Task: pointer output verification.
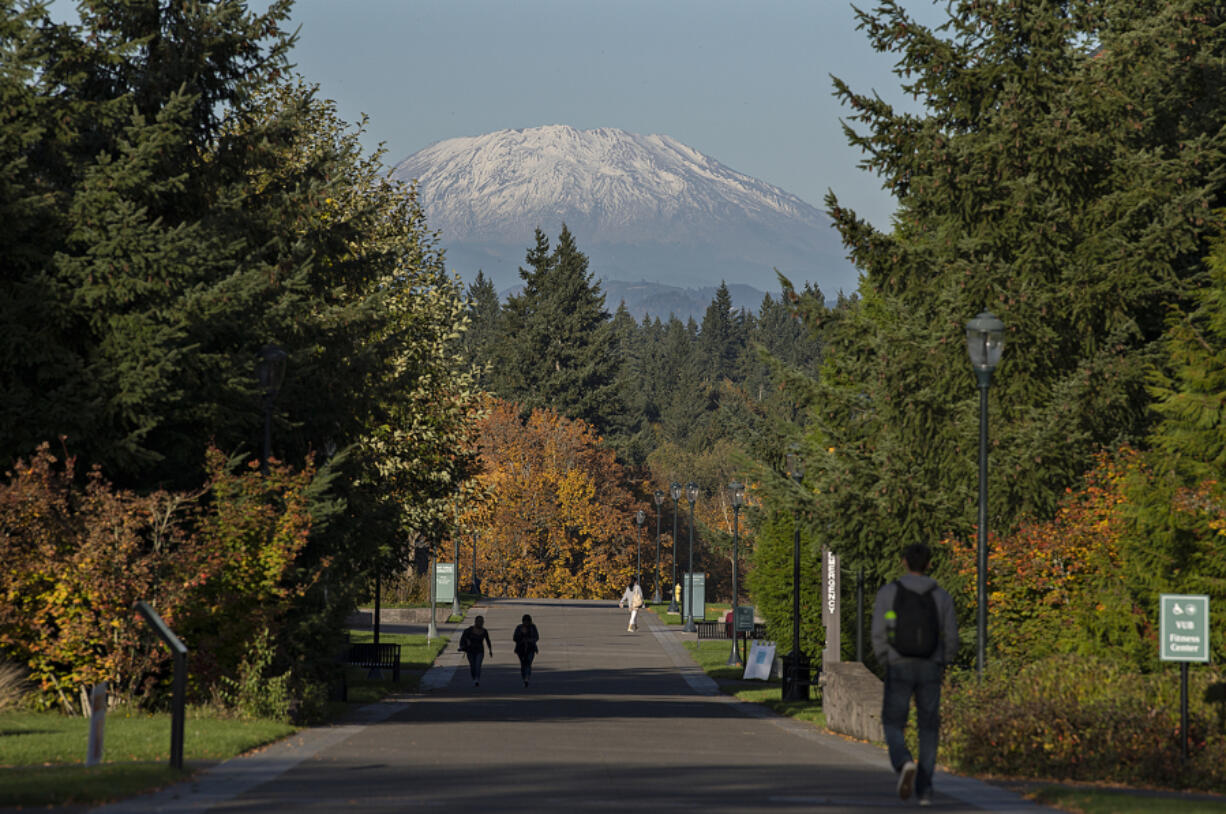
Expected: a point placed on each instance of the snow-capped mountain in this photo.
(641, 207)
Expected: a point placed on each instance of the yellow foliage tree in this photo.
(552, 516)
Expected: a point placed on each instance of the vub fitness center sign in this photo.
(1184, 628)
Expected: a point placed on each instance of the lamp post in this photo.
(691, 494)
(674, 490)
(270, 373)
(659, 496)
(737, 491)
(796, 665)
(985, 336)
(455, 584)
(640, 517)
(476, 590)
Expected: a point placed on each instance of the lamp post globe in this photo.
(985, 342)
(691, 494)
(659, 498)
(736, 490)
(674, 490)
(640, 517)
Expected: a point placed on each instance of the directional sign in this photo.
(1183, 627)
(444, 582)
(696, 604)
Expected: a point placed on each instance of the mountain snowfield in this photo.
(641, 207)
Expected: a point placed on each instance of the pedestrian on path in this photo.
(471, 641)
(526, 637)
(633, 597)
(914, 634)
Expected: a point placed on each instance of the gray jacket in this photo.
(947, 651)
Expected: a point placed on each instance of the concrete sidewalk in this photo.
(612, 720)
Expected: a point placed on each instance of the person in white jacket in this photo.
(632, 598)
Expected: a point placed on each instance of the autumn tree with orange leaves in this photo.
(551, 512)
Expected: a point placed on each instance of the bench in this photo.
(719, 630)
(380, 656)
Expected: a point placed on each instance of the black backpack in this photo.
(917, 628)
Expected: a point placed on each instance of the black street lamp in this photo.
(985, 340)
(737, 490)
(640, 517)
(659, 496)
(455, 579)
(476, 590)
(270, 373)
(691, 494)
(796, 664)
(674, 490)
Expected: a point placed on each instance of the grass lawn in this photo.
(416, 656)
(712, 657)
(660, 609)
(42, 754)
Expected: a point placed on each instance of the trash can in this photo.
(796, 677)
(728, 624)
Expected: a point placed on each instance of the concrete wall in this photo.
(851, 699)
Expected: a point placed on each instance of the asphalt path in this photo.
(612, 721)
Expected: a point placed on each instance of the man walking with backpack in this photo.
(915, 634)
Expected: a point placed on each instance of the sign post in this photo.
(831, 607)
(1183, 636)
(742, 622)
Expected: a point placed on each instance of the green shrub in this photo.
(13, 686)
(1078, 718)
(254, 694)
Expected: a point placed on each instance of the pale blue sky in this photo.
(746, 82)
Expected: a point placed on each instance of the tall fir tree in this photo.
(1060, 176)
(556, 345)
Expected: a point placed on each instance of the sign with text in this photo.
(761, 659)
(831, 607)
(444, 582)
(695, 597)
(743, 621)
(1183, 627)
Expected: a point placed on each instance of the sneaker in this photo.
(925, 799)
(906, 777)
(525, 682)
(476, 683)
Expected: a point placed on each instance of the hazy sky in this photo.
(744, 81)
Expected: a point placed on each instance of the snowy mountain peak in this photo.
(640, 206)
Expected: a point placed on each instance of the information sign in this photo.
(761, 659)
(698, 583)
(444, 582)
(1183, 627)
(743, 623)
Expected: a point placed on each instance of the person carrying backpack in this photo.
(914, 635)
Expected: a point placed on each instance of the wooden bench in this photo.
(380, 656)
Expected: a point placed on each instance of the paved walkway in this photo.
(612, 721)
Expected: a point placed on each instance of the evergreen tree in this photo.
(556, 345)
(1061, 176)
(484, 312)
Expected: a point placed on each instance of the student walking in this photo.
(471, 641)
(526, 637)
(914, 634)
(633, 597)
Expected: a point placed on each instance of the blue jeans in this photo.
(903, 679)
(525, 665)
(475, 657)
